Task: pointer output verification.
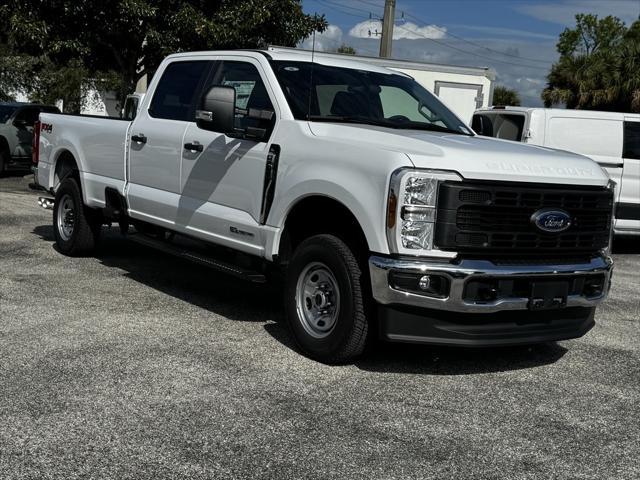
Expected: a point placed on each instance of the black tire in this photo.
(347, 338)
(85, 231)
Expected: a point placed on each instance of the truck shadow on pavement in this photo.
(215, 292)
(238, 300)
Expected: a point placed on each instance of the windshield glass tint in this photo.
(6, 112)
(392, 100)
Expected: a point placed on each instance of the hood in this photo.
(476, 158)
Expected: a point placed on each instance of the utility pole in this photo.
(387, 27)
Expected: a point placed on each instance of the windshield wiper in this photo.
(345, 119)
(432, 127)
(379, 123)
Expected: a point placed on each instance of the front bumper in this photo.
(504, 320)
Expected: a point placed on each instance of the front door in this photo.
(156, 138)
(222, 177)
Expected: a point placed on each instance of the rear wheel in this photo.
(76, 228)
(324, 300)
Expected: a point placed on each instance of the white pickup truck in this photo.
(386, 215)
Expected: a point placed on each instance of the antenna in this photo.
(313, 52)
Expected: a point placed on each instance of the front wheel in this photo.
(324, 300)
(76, 228)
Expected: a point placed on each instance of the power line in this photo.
(466, 51)
(330, 4)
(447, 32)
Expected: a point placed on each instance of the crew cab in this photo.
(16, 133)
(384, 214)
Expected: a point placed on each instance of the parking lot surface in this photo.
(134, 364)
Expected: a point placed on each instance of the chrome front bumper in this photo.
(459, 274)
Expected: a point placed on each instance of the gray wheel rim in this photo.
(317, 299)
(66, 217)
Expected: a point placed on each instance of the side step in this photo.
(198, 257)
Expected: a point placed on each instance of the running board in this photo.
(200, 258)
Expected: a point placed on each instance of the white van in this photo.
(612, 139)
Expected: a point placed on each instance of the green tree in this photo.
(599, 66)
(130, 37)
(346, 49)
(505, 96)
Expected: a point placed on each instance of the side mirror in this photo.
(20, 123)
(217, 110)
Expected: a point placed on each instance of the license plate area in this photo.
(548, 295)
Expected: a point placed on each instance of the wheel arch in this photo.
(315, 214)
(66, 164)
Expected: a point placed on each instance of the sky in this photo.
(517, 38)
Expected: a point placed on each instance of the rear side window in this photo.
(499, 125)
(175, 95)
(631, 147)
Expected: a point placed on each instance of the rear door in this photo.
(222, 177)
(156, 139)
(628, 211)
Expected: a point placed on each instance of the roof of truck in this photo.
(346, 61)
(373, 64)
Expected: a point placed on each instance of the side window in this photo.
(631, 143)
(251, 92)
(175, 95)
(482, 125)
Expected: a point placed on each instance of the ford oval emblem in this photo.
(551, 221)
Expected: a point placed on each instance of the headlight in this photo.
(411, 210)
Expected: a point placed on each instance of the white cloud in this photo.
(564, 12)
(408, 31)
(329, 40)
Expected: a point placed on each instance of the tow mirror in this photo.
(217, 110)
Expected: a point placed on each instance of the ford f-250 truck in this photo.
(386, 214)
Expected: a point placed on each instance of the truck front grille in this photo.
(480, 217)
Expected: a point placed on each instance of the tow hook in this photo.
(46, 203)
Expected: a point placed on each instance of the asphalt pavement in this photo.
(136, 365)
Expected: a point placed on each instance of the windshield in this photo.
(5, 112)
(359, 96)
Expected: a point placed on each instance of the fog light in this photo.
(425, 282)
(430, 285)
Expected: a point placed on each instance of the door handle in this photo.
(140, 138)
(194, 147)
